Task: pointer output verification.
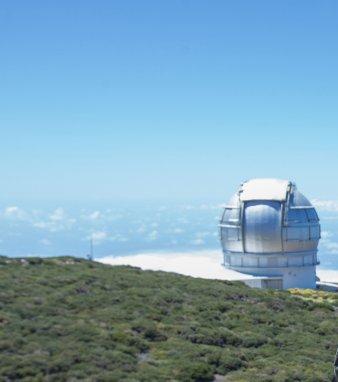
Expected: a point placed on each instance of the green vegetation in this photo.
(69, 319)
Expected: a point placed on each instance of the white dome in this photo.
(269, 218)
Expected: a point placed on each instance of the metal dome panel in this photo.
(269, 216)
(262, 226)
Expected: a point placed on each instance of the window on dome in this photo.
(314, 232)
(297, 215)
(297, 233)
(311, 215)
(231, 234)
(231, 216)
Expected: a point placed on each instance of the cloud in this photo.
(153, 235)
(329, 245)
(141, 229)
(203, 207)
(15, 212)
(58, 215)
(113, 216)
(95, 215)
(325, 235)
(197, 241)
(98, 236)
(40, 224)
(58, 220)
(325, 205)
(118, 238)
(200, 238)
(329, 276)
(211, 207)
(205, 264)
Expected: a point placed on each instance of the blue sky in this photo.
(114, 100)
(132, 121)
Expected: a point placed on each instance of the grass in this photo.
(65, 319)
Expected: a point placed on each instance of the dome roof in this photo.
(269, 216)
(264, 189)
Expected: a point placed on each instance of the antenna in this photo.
(90, 256)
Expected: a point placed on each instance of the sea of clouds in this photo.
(205, 264)
(145, 234)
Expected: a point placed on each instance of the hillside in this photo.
(69, 319)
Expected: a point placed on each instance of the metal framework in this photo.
(269, 224)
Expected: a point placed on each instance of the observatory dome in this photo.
(269, 227)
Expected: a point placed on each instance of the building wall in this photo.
(265, 283)
(301, 277)
(293, 277)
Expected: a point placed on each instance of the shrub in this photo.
(66, 319)
(196, 372)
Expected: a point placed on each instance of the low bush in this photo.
(67, 319)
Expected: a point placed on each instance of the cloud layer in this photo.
(204, 264)
(122, 229)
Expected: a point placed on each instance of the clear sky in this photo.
(166, 99)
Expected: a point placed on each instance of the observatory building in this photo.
(271, 231)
